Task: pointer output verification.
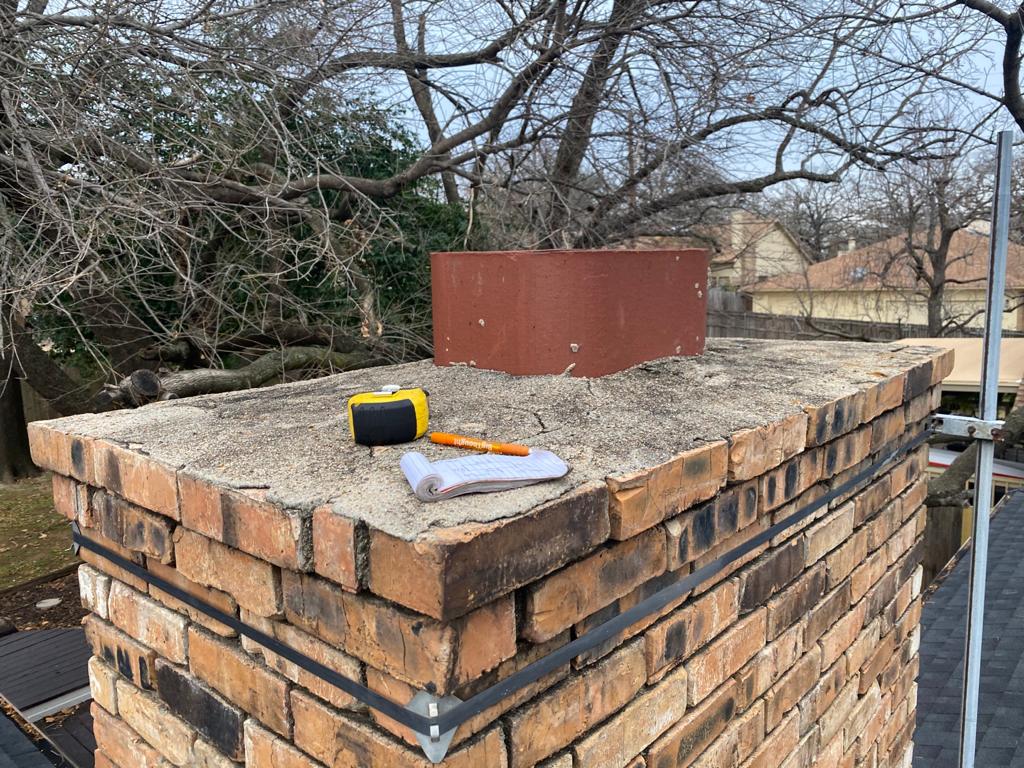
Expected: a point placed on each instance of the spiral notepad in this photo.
(433, 481)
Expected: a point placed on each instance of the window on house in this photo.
(858, 273)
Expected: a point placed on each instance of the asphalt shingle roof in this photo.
(940, 683)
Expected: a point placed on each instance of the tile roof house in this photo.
(878, 283)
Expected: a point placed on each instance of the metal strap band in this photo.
(529, 674)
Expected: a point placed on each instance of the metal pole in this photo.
(983, 472)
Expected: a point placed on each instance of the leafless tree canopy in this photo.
(183, 182)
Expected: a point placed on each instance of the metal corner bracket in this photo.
(435, 746)
(967, 426)
(76, 530)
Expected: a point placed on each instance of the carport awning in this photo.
(966, 375)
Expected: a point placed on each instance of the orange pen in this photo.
(476, 444)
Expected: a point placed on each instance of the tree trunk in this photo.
(935, 314)
(15, 461)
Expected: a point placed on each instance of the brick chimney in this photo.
(802, 652)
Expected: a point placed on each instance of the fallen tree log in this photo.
(145, 386)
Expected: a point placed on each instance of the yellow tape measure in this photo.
(390, 415)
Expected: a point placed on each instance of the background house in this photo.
(749, 248)
(879, 283)
(744, 249)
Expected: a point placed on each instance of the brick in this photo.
(834, 718)
(793, 603)
(866, 574)
(253, 583)
(195, 703)
(740, 739)
(59, 452)
(882, 594)
(872, 667)
(94, 589)
(130, 658)
(919, 408)
(643, 499)
(487, 636)
(309, 646)
(147, 621)
(724, 657)
(206, 756)
(70, 498)
(413, 648)
(554, 720)
(770, 573)
(789, 480)
(942, 366)
(694, 533)
(891, 730)
(883, 525)
(918, 380)
(829, 421)
(132, 527)
(120, 744)
(681, 744)
(846, 452)
(265, 750)
(804, 754)
(212, 597)
(841, 562)
(869, 734)
(244, 520)
(777, 745)
(100, 563)
(886, 429)
(144, 714)
(863, 646)
(869, 501)
(753, 452)
(136, 477)
(821, 697)
(884, 396)
(827, 613)
(914, 497)
(861, 714)
(770, 663)
(830, 533)
(796, 506)
(335, 547)
(440, 574)
(680, 634)
(250, 686)
(103, 684)
(590, 584)
(792, 687)
(641, 593)
(619, 739)
(841, 636)
(908, 470)
(736, 540)
(340, 741)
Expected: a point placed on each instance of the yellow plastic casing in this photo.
(383, 404)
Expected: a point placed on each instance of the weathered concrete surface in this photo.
(293, 439)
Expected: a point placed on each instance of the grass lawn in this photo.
(34, 539)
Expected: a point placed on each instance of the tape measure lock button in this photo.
(388, 416)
